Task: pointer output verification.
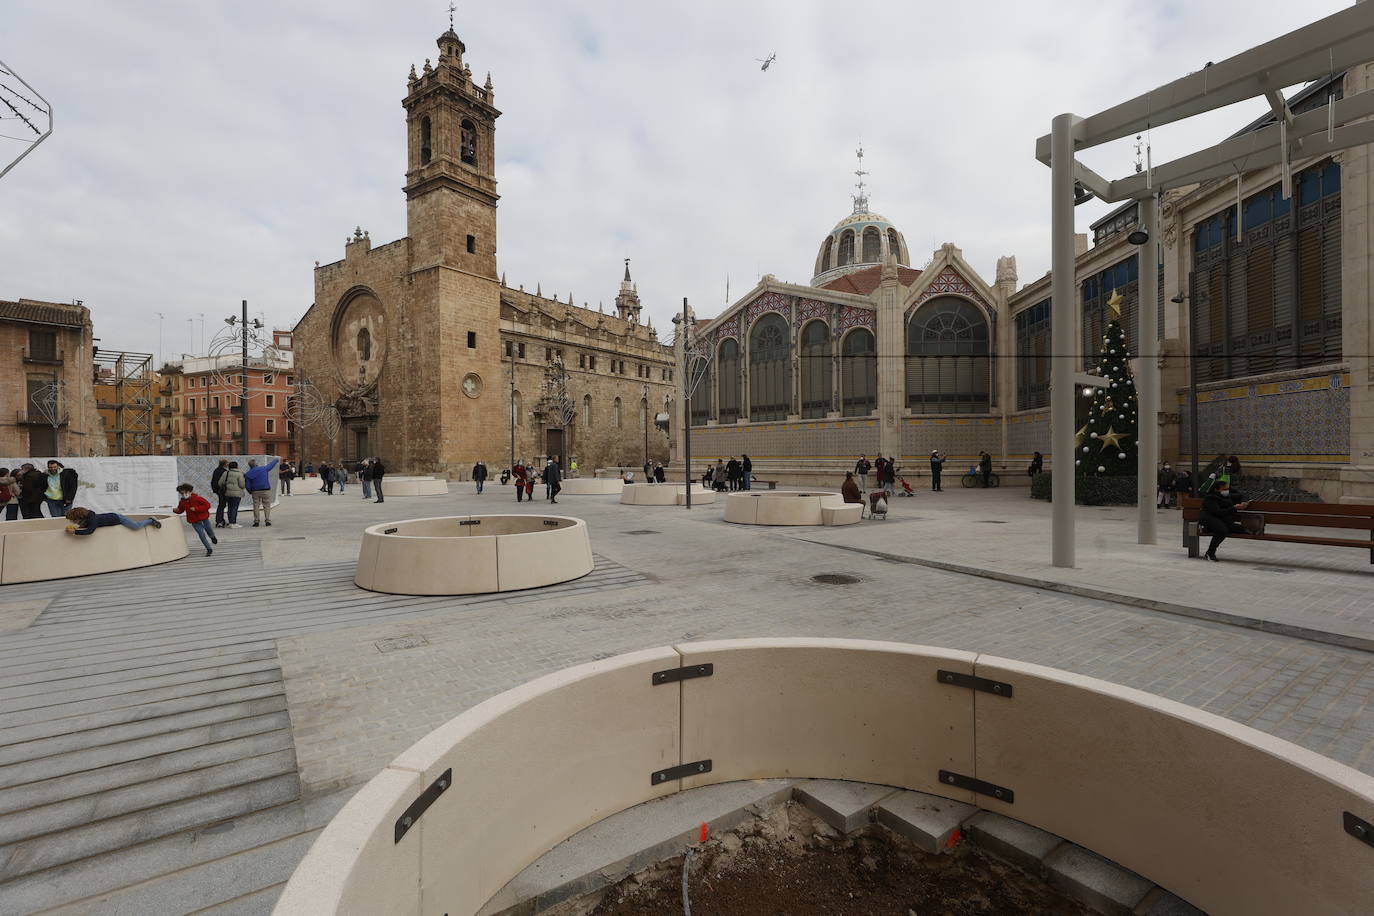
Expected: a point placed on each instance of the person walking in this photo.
(553, 479)
(887, 477)
(985, 468)
(197, 509)
(365, 477)
(217, 488)
(861, 469)
(479, 475)
(648, 471)
(326, 479)
(660, 476)
(530, 475)
(1218, 516)
(285, 474)
(1036, 466)
(937, 467)
(61, 489)
(746, 470)
(9, 495)
(260, 487)
(518, 473)
(87, 521)
(341, 476)
(378, 472)
(32, 483)
(1165, 482)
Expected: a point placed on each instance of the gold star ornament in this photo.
(1111, 437)
(1114, 303)
(1079, 436)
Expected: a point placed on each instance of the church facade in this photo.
(433, 361)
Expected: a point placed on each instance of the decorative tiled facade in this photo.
(959, 438)
(1301, 421)
(786, 442)
(851, 317)
(1027, 434)
(950, 282)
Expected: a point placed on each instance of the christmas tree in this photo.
(1106, 445)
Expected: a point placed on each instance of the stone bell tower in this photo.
(451, 164)
(451, 329)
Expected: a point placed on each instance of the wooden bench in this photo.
(1296, 515)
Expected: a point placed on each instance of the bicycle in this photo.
(973, 479)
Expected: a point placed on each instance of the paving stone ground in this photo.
(193, 725)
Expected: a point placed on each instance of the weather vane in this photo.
(451, 10)
(861, 198)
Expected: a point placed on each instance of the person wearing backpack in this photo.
(235, 489)
(9, 495)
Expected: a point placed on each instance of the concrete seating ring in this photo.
(472, 554)
(38, 549)
(664, 494)
(591, 486)
(414, 486)
(783, 507)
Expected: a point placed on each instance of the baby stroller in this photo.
(906, 487)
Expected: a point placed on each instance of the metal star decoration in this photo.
(1111, 437)
(1114, 303)
(1079, 436)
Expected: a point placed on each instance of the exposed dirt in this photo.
(788, 863)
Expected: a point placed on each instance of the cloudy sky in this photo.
(208, 152)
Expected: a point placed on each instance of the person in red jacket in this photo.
(197, 509)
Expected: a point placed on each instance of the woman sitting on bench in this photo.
(1218, 516)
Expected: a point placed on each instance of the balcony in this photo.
(43, 357)
(28, 419)
(212, 411)
(190, 410)
(166, 390)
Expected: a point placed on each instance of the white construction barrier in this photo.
(785, 507)
(1229, 818)
(472, 554)
(39, 549)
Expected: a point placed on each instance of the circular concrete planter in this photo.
(472, 554)
(788, 508)
(414, 486)
(664, 494)
(1229, 818)
(38, 549)
(591, 486)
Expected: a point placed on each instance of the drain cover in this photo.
(835, 579)
(641, 531)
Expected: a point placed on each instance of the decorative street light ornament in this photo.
(309, 408)
(46, 402)
(226, 355)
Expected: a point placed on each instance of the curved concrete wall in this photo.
(35, 550)
(414, 486)
(472, 554)
(1231, 819)
(591, 486)
(665, 494)
(780, 508)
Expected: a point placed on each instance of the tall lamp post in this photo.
(644, 415)
(243, 326)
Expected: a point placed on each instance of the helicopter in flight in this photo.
(771, 57)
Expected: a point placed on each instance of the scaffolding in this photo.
(124, 384)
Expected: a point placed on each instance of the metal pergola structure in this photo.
(1326, 46)
(124, 383)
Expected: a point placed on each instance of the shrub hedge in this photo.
(1089, 491)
